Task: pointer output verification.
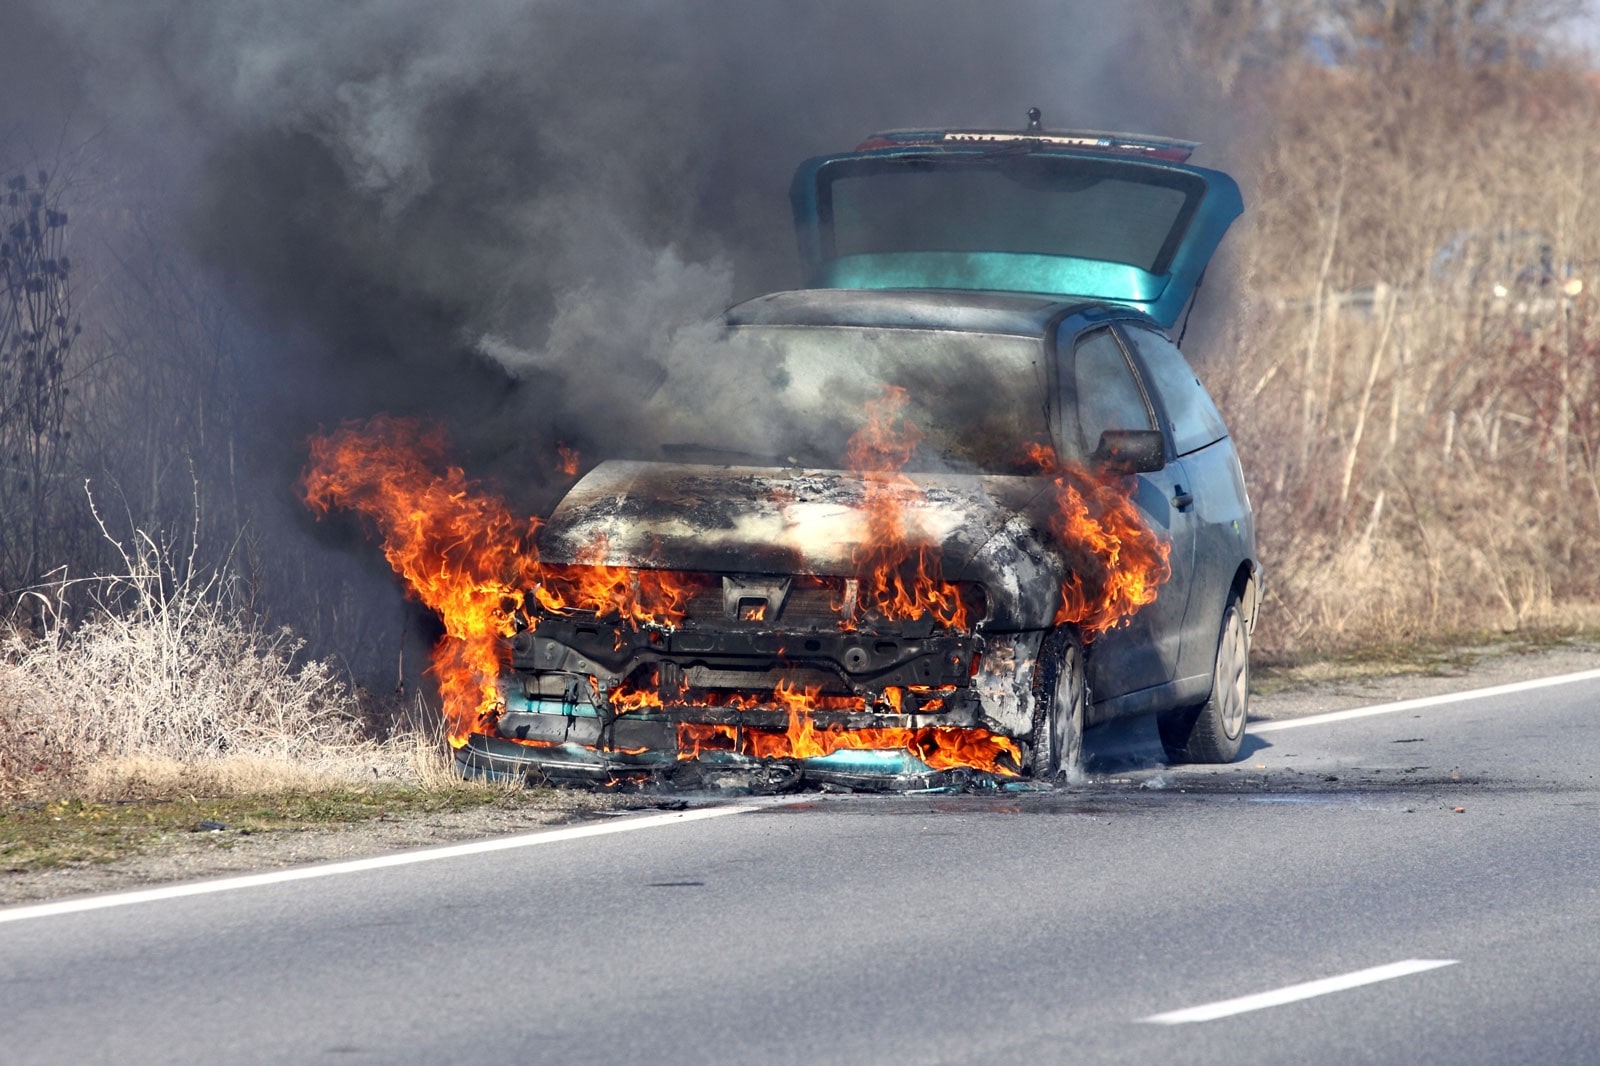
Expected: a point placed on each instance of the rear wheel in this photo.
(1214, 731)
(1061, 700)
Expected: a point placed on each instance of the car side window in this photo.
(1107, 393)
(1194, 420)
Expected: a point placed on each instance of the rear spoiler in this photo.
(1139, 145)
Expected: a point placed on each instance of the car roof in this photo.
(944, 309)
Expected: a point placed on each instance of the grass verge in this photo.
(73, 832)
(1274, 674)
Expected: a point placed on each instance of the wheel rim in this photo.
(1066, 718)
(1232, 683)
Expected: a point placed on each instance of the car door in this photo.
(1130, 666)
(1221, 511)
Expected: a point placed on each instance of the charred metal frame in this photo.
(860, 662)
(496, 758)
(570, 666)
(572, 698)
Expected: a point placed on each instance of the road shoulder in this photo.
(200, 850)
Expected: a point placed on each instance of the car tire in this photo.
(1214, 731)
(1061, 701)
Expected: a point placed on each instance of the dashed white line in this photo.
(334, 869)
(1426, 701)
(1293, 993)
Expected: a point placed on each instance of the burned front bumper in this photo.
(558, 654)
(602, 703)
(496, 758)
(577, 741)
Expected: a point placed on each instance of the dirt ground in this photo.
(189, 856)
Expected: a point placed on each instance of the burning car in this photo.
(963, 499)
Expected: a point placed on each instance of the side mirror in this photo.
(1130, 451)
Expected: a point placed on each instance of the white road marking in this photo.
(1426, 701)
(1294, 993)
(334, 869)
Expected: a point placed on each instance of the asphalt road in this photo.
(1019, 927)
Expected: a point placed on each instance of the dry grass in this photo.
(76, 832)
(1425, 460)
(168, 686)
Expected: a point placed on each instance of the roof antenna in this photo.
(1033, 121)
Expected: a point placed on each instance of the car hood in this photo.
(1024, 216)
(733, 519)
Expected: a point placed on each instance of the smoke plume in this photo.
(512, 215)
(495, 212)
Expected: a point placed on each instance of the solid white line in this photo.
(1426, 701)
(333, 869)
(1293, 993)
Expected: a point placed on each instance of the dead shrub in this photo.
(168, 676)
(1423, 449)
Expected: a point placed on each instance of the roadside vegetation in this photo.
(1412, 382)
(1423, 450)
(166, 710)
(217, 811)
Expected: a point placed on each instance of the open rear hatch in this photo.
(1102, 217)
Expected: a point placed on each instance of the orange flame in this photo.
(900, 577)
(464, 556)
(941, 747)
(460, 552)
(569, 459)
(1115, 562)
(617, 592)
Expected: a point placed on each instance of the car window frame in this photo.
(1067, 377)
(1154, 395)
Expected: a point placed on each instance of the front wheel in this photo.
(1214, 731)
(1060, 703)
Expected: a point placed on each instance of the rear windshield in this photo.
(794, 395)
(1033, 204)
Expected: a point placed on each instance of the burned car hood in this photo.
(736, 519)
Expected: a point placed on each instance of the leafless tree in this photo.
(1468, 31)
(38, 331)
(1227, 38)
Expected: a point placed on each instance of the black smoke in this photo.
(503, 213)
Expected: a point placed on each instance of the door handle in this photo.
(1182, 500)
